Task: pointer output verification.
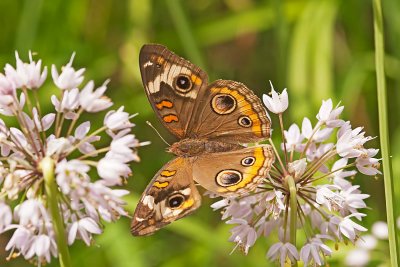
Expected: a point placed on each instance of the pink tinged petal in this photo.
(72, 233)
(117, 120)
(305, 254)
(90, 225)
(56, 103)
(120, 192)
(306, 128)
(273, 250)
(94, 101)
(293, 251)
(325, 110)
(111, 170)
(42, 245)
(47, 121)
(315, 255)
(82, 130)
(5, 216)
(84, 235)
(283, 254)
(277, 103)
(20, 237)
(19, 136)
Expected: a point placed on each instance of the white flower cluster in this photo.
(72, 145)
(318, 160)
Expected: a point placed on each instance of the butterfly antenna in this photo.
(151, 125)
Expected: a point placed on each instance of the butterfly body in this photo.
(213, 123)
(195, 147)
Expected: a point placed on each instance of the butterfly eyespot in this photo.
(183, 83)
(223, 104)
(245, 121)
(176, 201)
(227, 178)
(248, 161)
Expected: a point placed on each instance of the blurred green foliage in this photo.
(318, 49)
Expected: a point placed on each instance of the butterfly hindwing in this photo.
(235, 172)
(170, 196)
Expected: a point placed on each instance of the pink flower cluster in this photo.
(73, 145)
(319, 159)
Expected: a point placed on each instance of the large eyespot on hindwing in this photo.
(227, 178)
(223, 104)
(248, 161)
(175, 201)
(183, 83)
(245, 121)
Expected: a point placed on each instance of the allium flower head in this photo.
(307, 192)
(83, 199)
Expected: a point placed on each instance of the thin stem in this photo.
(330, 173)
(86, 139)
(384, 132)
(277, 155)
(48, 165)
(60, 126)
(309, 141)
(35, 95)
(94, 153)
(283, 139)
(314, 167)
(72, 125)
(293, 211)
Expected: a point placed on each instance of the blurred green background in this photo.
(318, 49)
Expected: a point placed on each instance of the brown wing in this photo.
(170, 196)
(172, 85)
(234, 173)
(229, 111)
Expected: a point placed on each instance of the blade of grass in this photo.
(185, 33)
(28, 23)
(384, 131)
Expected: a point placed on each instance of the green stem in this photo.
(293, 211)
(184, 32)
(384, 132)
(47, 165)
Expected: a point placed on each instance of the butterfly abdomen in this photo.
(195, 147)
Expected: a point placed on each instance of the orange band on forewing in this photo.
(167, 173)
(196, 79)
(160, 60)
(170, 118)
(160, 185)
(164, 104)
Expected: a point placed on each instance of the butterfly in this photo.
(213, 123)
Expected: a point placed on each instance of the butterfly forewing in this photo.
(230, 112)
(172, 85)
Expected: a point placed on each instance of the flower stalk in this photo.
(48, 165)
(293, 211)
(384, 132)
